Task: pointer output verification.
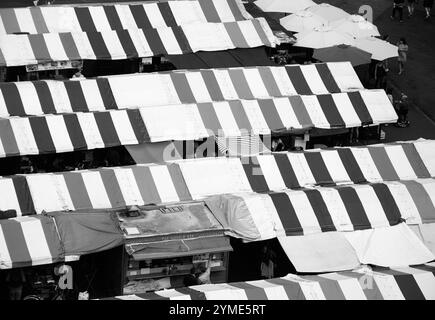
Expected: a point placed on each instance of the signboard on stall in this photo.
(54, 65)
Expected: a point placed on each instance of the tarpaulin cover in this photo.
(416, 283)
(198, 86)
(238, 220)
(84, 233)
(29, 241)
(103, 129)
(45, 19)
(336, 251)
(25, 49)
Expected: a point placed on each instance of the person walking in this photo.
(411, 7)
(381, 75)
(427, 4)
(403, 54)
(398, 7)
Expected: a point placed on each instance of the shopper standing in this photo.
(403, 54)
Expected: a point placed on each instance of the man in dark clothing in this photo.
(402, 111)
(381, 75)
(398, 7)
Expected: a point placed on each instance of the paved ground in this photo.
(418, 80)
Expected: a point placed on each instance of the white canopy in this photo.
(328, 12)
(302, 21)
(356, 26)
(379, 49)
(286, 6)
(322, 37)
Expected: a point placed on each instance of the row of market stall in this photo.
(185, 180)
(329, 210)
(329, 228)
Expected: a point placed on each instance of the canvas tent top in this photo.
(289, 170)
(254, 216)
(175, 87)
(415, 283)
(23, 49)
(195, 179)
(148, 15)
(29, 3)
(103, 129)
(28, 241)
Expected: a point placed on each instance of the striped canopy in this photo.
(388, 162)
(184, 87)
(236, 118)
(308, 211)
(200, 178)
(29, 241)
(93, 189)
(45, 19)
(289, 170)
(317, 210)
(411, 283)
(23, 49)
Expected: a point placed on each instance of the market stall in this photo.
(165, 244)
(198, 86)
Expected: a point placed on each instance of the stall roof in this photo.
(199, 178)
(29, 241)
(93, 189)
(408, 283)
(289, 170)
(237, 118)
(133, 43)
(178, 87)
(143, 15)
(254, 216)
(29, 3)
